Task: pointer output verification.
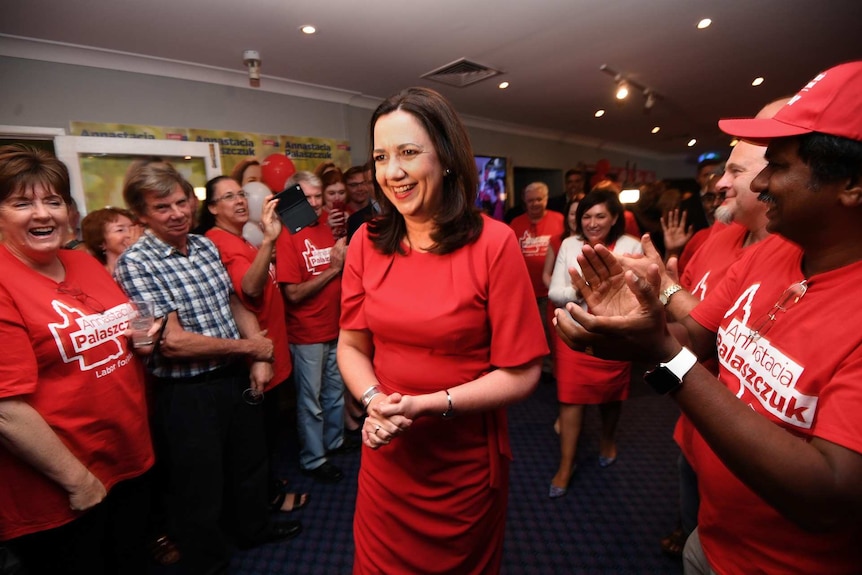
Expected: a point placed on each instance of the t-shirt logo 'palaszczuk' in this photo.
(315, 257)
(91, 339)
(532, 246)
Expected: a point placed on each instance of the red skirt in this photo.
(583, 379)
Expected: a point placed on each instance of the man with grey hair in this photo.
(308, 269)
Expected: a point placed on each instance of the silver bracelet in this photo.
(450, 410)
(368, 395)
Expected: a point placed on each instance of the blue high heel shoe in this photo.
(606, 461)
(556, 492)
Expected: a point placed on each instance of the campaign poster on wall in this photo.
(103, 175)
(307, 153)
(237, 146)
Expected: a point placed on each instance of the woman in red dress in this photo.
(439, 332)
(583, 379)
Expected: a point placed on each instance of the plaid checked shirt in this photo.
(196, 286)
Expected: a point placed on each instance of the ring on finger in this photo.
(376, 428)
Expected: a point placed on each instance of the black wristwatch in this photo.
(667, 377)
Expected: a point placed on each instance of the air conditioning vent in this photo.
(461, 73)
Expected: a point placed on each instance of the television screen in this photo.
(493, 178)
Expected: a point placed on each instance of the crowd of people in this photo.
(115, 453)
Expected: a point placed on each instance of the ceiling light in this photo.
(503, 85)
(656, 130)
(734, 142)
(187, 157)
(622, 90)
(757, 81)
(692, 142)
(599, 113)
(307, 29)
(704, 23)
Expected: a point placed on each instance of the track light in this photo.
(622, 90)
(649, 102)
(624, 85)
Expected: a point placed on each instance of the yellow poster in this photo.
(100, 130)
(237, 146)
(307, 153)
(103, 176)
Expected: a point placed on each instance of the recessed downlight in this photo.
(757, 81)
(705, 23)
(503, 85)
(656, 130)
(307, 29)
(692, 142)
(599, 113)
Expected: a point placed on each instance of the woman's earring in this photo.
(447, 172)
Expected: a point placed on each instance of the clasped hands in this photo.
(388, 417)
(626, 320)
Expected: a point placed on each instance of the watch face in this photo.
(662, 380)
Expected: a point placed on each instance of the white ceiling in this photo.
(549, 50)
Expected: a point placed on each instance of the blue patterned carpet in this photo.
(610, 522)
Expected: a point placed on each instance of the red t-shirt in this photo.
(299, 258)
(804, 376)
(237, 256)
(65, 354)
(705, 270)
(696, 242)
(534, 240)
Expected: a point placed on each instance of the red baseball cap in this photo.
(831, 103)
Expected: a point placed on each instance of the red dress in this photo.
(434, 500)
(584, 379)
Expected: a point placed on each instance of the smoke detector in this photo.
(251, 59)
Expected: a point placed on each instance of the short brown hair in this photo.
(93, 228)
(23, 167)
(239, 170)
(155, 176)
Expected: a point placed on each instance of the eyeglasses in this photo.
(787, 300)
(75, 292)
(231, 197)
(358, 184)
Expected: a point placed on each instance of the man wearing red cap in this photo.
(778, 441)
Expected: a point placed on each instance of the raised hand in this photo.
(676, 235)
(270, 223)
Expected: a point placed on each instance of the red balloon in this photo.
(603, 166)
(275, 170)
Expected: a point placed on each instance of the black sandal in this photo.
(298, 501)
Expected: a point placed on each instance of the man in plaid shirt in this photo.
(210, 351)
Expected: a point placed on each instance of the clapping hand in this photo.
(625, 319)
